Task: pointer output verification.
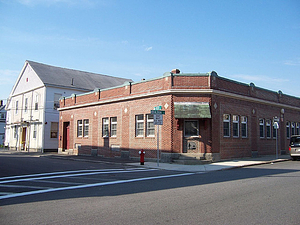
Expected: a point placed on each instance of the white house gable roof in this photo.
(74, 79)
(27, 80)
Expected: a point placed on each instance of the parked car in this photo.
(294, 148)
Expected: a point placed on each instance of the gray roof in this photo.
(75, 79)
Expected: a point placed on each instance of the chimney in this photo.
(1, 102)
(175, 71)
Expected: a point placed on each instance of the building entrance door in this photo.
(23, 140)
(66, 136)
(191, 136)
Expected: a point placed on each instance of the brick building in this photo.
(206, 116)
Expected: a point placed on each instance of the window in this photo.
(85, 128)
(15, 132)
(288, 134)
(79, 128)
(56, 101)
(274, 131)
(113, 126)
(226, 125)
(26, 104)
(139, 125)
(34, 131)
(150, 132)
(105, 123)
(36, 105)
(297, 128)
(244, 126)
(17, 106)
(54, 129)
(268, 128)
(235, 126)
(261, 128)
(293, 128)
(191, 128)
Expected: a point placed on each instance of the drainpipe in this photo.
(44, 119)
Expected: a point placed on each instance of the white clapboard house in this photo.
(32, 117)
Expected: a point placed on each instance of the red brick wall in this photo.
(171, 135)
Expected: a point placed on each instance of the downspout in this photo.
(44, 119)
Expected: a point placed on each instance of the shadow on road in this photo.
(136, 186)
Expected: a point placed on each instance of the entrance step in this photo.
(190, 159)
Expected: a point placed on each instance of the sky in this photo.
(249, 41)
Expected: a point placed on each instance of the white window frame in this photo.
(86, 125)
(113, 126)
(293, 131)
(79, 128)
(34, 134)
(17, 106)
(244, 126)
(226, 120)
(150, 128)
(268, 128)
(36, 104)
(288, 129)
(139, 130)
(235, 122)
(262, 126)
(105, 127)
(26, 105)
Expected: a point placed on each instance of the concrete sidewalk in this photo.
(224, 165)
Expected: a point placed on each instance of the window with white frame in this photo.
(56, 100)
(36, 104)
(34, 130)
(293, 127)
(17, 106)
(79, 128)
(261, 128)
(150, 130)
(113, 126)
(226, 125)
(26, 105)
(268, 128)
(105, 126)
(288, 132)
(16, 132)
(244, 126)
(86, 127)
(297, 129)
(139, 125)
(235, 126)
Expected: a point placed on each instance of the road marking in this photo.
(73, 175)
(23, 186)
(92, 185)
(64, 172)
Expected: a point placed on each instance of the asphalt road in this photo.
(40, 190)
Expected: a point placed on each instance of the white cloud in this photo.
(295, 62)
(148, 49)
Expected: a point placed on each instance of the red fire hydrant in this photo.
(142, 157)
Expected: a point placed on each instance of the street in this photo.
(42, 190)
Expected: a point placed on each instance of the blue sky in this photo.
(245, 40)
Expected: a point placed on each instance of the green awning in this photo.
(192, 110)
